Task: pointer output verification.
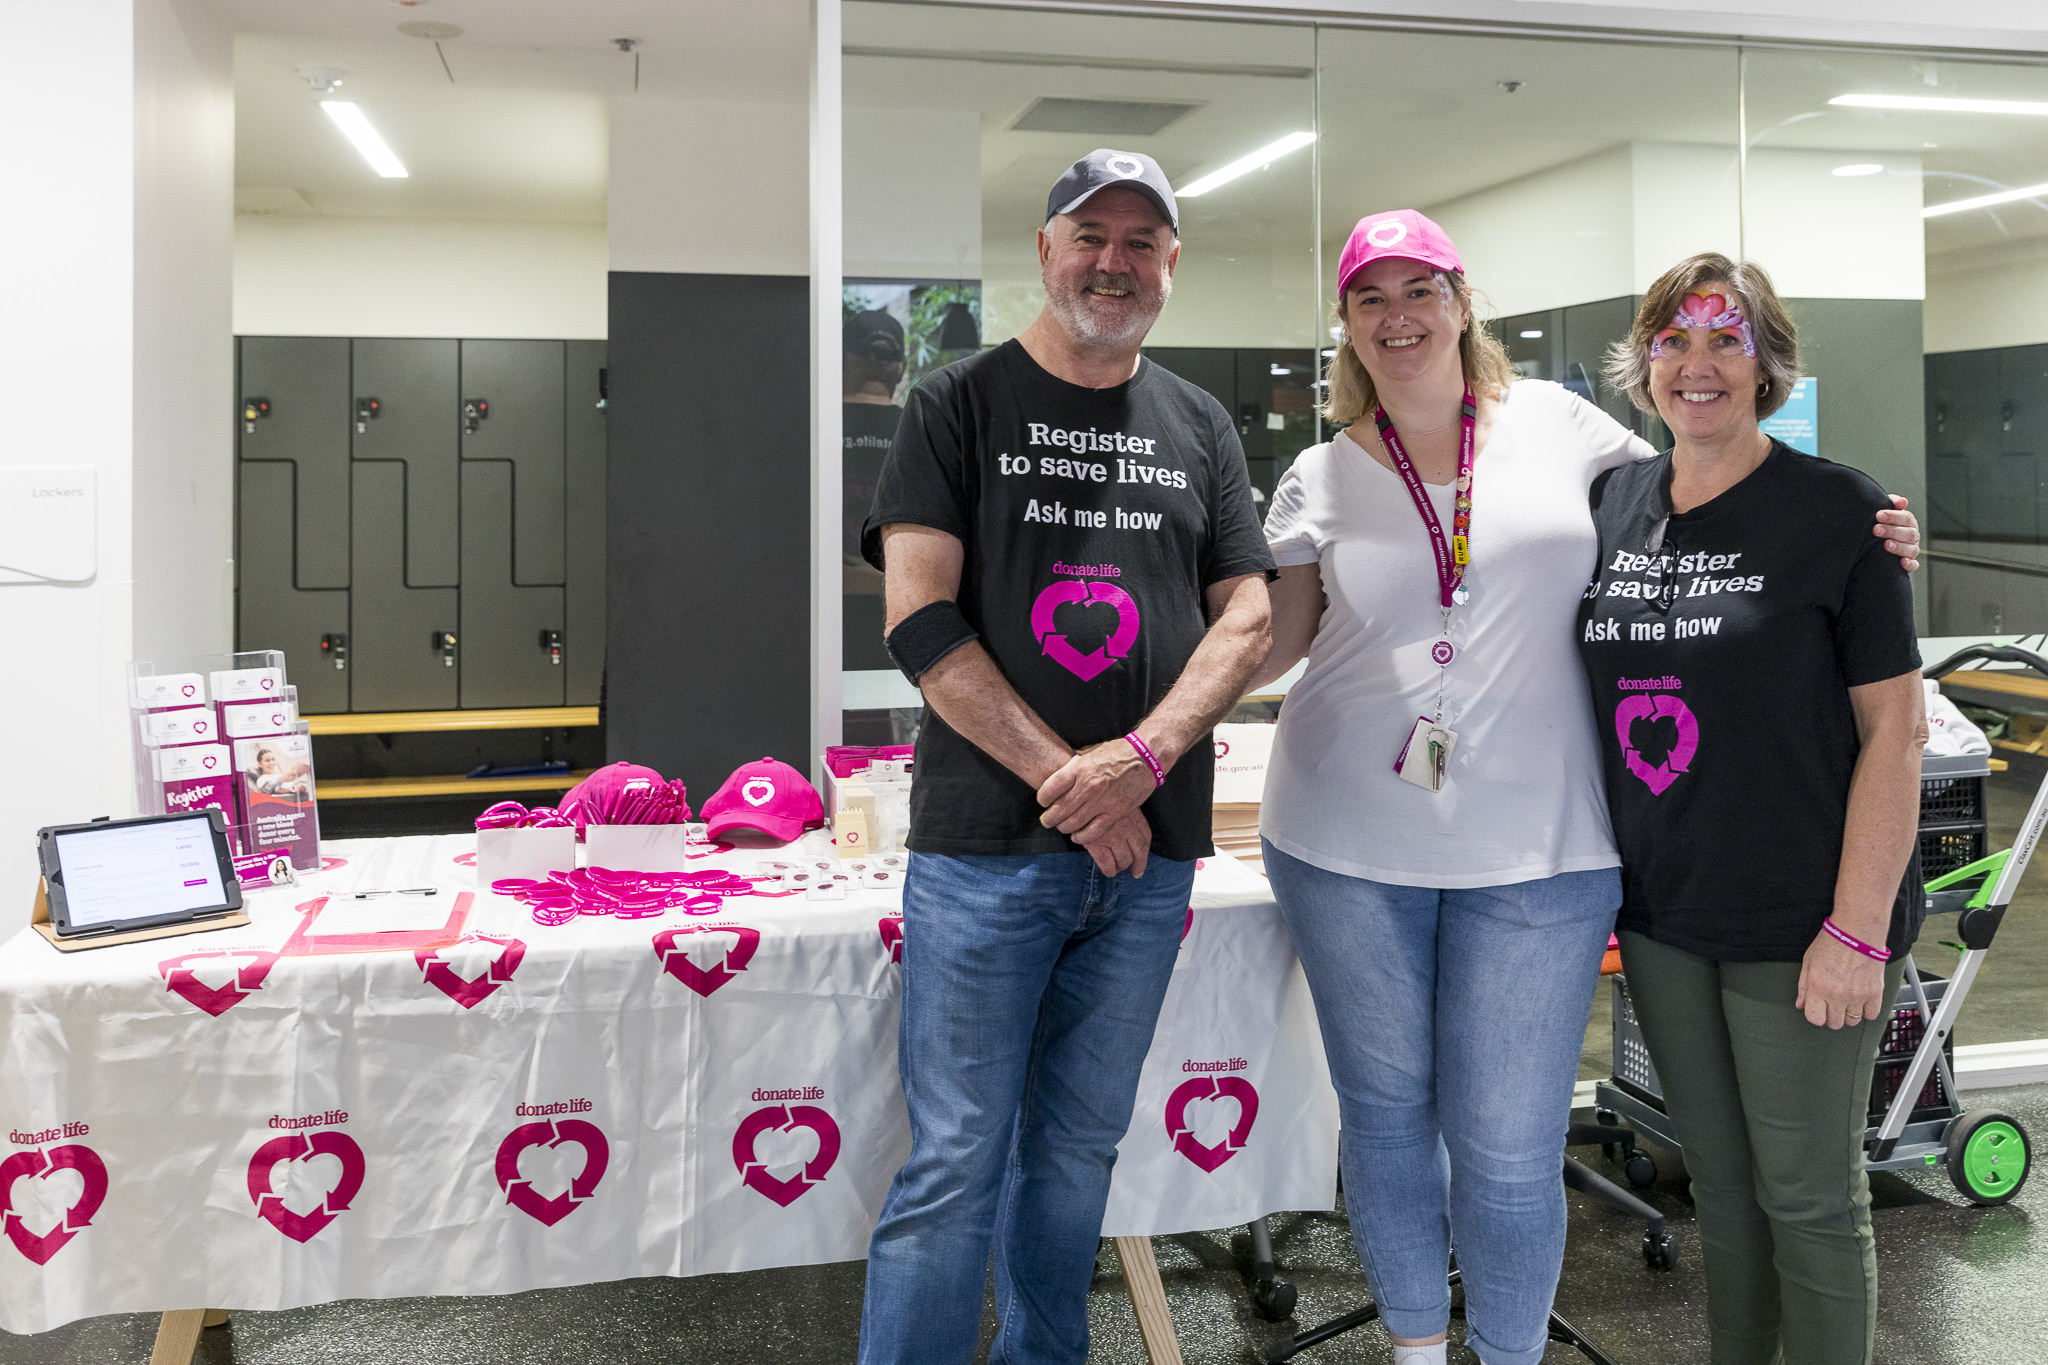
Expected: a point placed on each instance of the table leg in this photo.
(1148, 1297)
(177, 1336)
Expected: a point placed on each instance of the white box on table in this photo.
(528, 854)
(640, 848)
(1242, 752)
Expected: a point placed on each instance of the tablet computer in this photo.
(114, 875)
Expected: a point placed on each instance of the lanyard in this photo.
(1451, 558)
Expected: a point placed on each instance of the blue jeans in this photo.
(1031, 986)
(1453, 1021)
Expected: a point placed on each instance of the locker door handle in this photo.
(551, 641)
(474, 411)
(444, 641)
(335, 647)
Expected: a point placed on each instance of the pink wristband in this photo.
(1151, 761)
(1849, 940)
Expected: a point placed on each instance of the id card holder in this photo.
(1424, 756)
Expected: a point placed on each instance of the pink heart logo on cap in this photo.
(270, 1206)
(216, 1001)
(676, 961)
(519, 1192)
(466, 993)
(759, 791)
(778, 1119)
(40, 1247)
(1211, 1088)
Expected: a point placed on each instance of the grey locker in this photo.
(271, 613)
(394, 653)
(521, 384)
(504, 662)
(418, 422)
(305, 380)
(584, 448)
(1948, 460)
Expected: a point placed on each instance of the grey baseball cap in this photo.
(1104, 167)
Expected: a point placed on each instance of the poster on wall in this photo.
(1797, 424)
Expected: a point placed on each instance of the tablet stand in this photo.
(39, 919)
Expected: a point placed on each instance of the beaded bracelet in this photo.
(1151, 760)
(1849, 940)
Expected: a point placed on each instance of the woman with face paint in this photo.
(1434, 820)
(1753, 661)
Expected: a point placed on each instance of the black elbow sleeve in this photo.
(926, 636)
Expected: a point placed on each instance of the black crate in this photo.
(1942, 851)
(1952, 800)
(1635, 1073)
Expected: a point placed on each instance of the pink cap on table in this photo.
(625, 794)
(1403, 233)
(767, 795)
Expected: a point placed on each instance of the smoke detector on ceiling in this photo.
(433, 32)
(321, 79)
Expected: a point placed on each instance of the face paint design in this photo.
(1714, 313)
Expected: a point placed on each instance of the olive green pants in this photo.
(1771, 1111)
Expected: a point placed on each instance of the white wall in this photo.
(720, 189)
(1824, 236)
(114, 304)
(410, 277)
(1997, 298)
(913, 193)
(1560, 237)
(184, 494)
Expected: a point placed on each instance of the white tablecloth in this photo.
(194, 1122)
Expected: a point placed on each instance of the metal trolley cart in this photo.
(1916, 1115)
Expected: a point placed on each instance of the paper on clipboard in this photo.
(311, 939)
(343, 914)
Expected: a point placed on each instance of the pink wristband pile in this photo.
(1849, 940)
(622, 895)
(512, 815)
(1151, 759)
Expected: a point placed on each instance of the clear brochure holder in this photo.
(223, 731)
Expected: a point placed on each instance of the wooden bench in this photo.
(451, 784)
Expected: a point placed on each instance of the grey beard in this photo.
(1070, 310)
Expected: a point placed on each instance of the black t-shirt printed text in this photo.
(1725, 721)
(1094, 520)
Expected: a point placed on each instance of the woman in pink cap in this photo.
(1435, 822)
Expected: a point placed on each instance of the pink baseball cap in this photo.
(767, 795)
(1397, 232)
(625, 794)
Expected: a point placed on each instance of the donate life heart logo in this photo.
(758, 792)
(217, 1000)
(467, 993)
(188, 689)
(92, 1172)
(775, 1118)
(597, 1154)
(1211, 1088)
(208, 761)
(1062, 591)
(892, 936)
(676, 961)
(1659, 736)
(270, 1206)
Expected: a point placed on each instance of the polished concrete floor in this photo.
(1961, 1286)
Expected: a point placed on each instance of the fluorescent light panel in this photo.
(1245, 165)
(1938, 105)
(1859, 168)
(356, 128)
(1985, 201)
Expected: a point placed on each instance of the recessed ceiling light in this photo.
(1245, 165)
(1858, 168)
(1532, 334)
(1984, 201)
(1941, 105)
(357, 130)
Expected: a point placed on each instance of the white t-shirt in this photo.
(1522, 797)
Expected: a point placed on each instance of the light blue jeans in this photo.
(1031, 986)
(1453, 1021)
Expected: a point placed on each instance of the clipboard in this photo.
(303, 944)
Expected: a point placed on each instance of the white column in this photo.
(826, 448)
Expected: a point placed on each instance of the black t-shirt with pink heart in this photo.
(1721, 644)
(1094, 521)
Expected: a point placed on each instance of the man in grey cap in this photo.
(1076, 579)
